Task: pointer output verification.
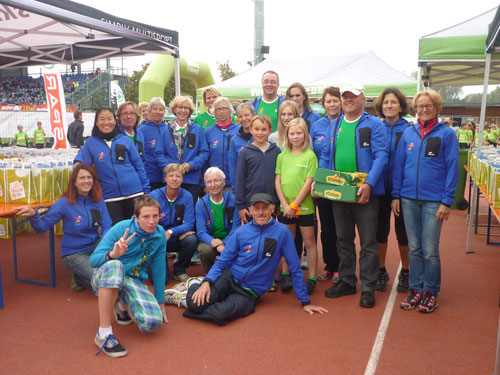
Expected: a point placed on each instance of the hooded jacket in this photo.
(394, 134)
(139, 140)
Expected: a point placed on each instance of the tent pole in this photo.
(419, 78)
(177, 73)
(479, 142)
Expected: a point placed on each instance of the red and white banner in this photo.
(57, 108)
(30, 108)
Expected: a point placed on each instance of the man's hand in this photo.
(121, 246)
(311, 309)
(202, 295)
(312, 189)
(186, 167)
(215, 242)
(364, 192)
(443, 213)
(163, 312)
(26, 211)
(184, 235)
(243, 215)
(396, 207)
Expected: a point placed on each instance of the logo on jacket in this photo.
(248, 250)
(162, 215)
(100, 156)
(153, 143)
(171, 143)
(78, 220)
(366, 144)
(320, 139)
(410, 147)
(208, 223)
(241, 148)
(430, 153)
(338, 131)
(215, 143)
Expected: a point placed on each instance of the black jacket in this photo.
(75, 133)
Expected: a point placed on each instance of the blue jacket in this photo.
(371, 150)
(310, 118)
(81, 222)
(237, 144)
(119, 168)
(152, 134)
(179, 218)
(205, 220)
(253, 253)
(427, 169)
(394, 134)
(255, 173)
(319, 134)
(139, 140)
(218, 143)
(138, 256)
(195, 151)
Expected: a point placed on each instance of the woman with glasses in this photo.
(424, 182)
(128, 120)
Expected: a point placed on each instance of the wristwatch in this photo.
(109, 257)
(170, 231)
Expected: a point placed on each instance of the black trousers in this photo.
(120, 210)
(227, 301)
(328, 234)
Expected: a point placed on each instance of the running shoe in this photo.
(110, 346)
(428, 303)
(412, 300)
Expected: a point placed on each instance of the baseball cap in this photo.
(355, 88)
(261, 197)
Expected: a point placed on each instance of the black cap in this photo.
(261, 197)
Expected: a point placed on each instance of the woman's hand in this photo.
(26, 211)
(184, 235)
(396, 207)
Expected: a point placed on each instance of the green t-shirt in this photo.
(294, 169)
(345, 147)
(21, 138)
(463, 136)
(39, 136)
(469, 132)
(218, 228)
(270, 109)
(491, 136)
(205, 120)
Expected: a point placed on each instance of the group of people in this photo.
(240, 195)
(21, 137)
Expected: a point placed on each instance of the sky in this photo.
(222, 30)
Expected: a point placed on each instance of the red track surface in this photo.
(50, 330)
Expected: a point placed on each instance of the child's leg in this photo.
(291, 228)
(312, 251)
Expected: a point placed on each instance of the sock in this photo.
(104, 332)
(285, 273)
(184, 303)
(312, 278)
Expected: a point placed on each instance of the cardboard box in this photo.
(336, 192)
(326, 176)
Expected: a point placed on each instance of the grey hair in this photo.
(221, 99)
(214, 170)
(245, 106)
(154, 101)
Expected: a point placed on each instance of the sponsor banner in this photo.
(117, 93)
(30, 108)
(54, 93)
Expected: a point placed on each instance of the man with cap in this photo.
(269, 103)
(358, 144)
(246, 267)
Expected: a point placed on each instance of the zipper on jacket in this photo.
(418, 160)
(389, 159)
(257, 257)
(113, 164)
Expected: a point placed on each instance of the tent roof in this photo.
(456, 55)
(317, 73)
(38, 32)
(493, 38)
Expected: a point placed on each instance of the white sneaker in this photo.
(174, 297)
(184, 285)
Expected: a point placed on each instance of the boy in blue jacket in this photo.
(122, 258)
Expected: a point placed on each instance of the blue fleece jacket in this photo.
(81, 222)
(205, 219)
(218, 143)
(255, 173)
(139, 140)
(253, 253)
(427, 169)
(152, 134)
(237, 144)
(371, 150)
(310, 118)
(195, 151)
(180, 218)
(119, 168)
(141, 253)
(394, 134)
(319, 134)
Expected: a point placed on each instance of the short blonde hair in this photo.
(182, 99)
(143, 104)
(433, 95)
(210, 90)
(173, 167)
(298, 121)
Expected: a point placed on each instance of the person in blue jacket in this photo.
(297, 92)
(245, 269)
(151, 131)
(358, 144)
(245, 113)
(118, 164)
(219, 136)
(391, 106)
(184, 142)
(83, 213)
(177, 218)
(424, 181)
(128, 120)
(121, 260)
(269, 103)
(216, 217)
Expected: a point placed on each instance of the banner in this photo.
(116, 92)
(31, 108)
(57, 108)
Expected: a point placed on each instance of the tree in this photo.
(450, 94)
(132, 90)
(225, 70)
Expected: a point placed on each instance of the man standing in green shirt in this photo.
(21, 137)
(269, 103)
(39, 135)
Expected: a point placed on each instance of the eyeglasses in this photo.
(221, 109)
(214, 182)
(421, 107)
(129, 114)
(183, 108)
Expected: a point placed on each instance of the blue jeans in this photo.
(78, 264)
(423, 231)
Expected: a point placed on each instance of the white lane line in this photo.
(371, 367)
